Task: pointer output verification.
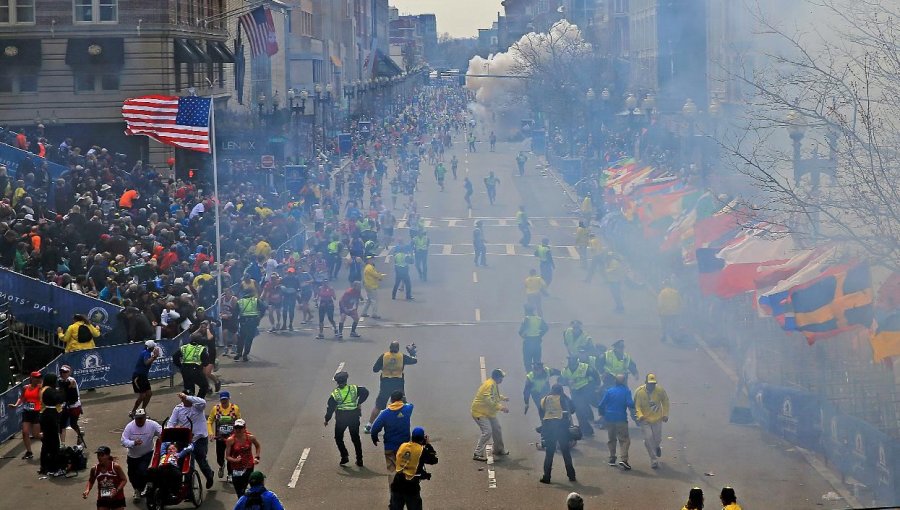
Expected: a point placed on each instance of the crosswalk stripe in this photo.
(573, 252)
(510, 249)
(447, 250)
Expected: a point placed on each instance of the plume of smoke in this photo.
(539, 64)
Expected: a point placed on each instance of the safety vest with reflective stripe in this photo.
(615, 366)
(408, 456)
(190, 354)
(400, 260)
(578, 378)
(532, 326)
(392, 365)
(543, 253)
(552, 407)
(334, 247)
(539, 384)
(421, 243)
(575, 344)
(347, 398)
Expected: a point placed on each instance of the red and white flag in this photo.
(260, 29)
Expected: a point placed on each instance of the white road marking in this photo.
(447, 249)
(553, 223)
(470, 209)
(340, 367)
(478, 315)
(573, 253)
(296, 475)
(427, 223)
(483, 368)
(501, 222)
(452, 223)
(510, 249)
(492, 475)
(474, 277)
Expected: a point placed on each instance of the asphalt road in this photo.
(460, 317)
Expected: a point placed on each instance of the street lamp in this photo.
(649, 105)
(630, 102)
(689, 110)
(260, 103)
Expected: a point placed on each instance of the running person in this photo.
(110, 480)
(239, 454)
(350, 308)
(490, 183)
(220, 425)
(454, 164)
(72, 407)
(30, 400)
(290, 285)
(467, 184)
(391, 365)
(325, 302)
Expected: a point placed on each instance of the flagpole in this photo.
(215, 165)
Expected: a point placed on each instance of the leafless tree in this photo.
(834, 86)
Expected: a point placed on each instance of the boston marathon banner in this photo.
(11, 157)
(47, 306)
(93, 368)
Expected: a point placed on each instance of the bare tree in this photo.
(834, 87)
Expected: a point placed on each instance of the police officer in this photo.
(479, 244)
(532, 331)
(250, 312)
(537, 385)
(555, 411)
(578, 377)
(421, 243)
(401, 273)
(190, 358)
(576, 340)
(391, 365)
(344, 404)
(616, 362)
(524, 226)
(545, 257)
(334, 257)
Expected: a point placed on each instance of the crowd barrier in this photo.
(862, 454)
(11, 157)
(92, 368)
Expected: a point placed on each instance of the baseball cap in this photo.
(150, 344)
(65, 368)
(36, 373)
(651, 378)
(418, 433)
(256, 478)
(240, 423)
(498, 373)
(104, 450)
(140, 413)
(223, 395)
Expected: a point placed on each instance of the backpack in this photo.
(254, 501)
(84, 334)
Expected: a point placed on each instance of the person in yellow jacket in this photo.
(615, 275)
(582, 237)
(651, 405)
(220, 425)
(535, 287)
(371, 281)
(595, 253)
(80, 335)
(487, 403)
(668, 304)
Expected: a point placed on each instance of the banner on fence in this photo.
(11, 157)
(48, 306)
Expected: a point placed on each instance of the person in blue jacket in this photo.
(395, 420)
(614, 409)
(257, 496)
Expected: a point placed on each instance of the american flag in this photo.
(260, 30)
(179, 121)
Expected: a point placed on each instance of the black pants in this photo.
(531, 351)
(401, 275)
(240, 482)
(50, 441)
(526, 235)
(193, 376)
(247, 330)
(581, 399)
(408, 500)
(326, 311)
(556, 435)
(334, 265)
(546, 272)
(220, 452)
(137, 471)
(347, 420)
(288, 308)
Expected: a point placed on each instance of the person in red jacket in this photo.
(350, 308)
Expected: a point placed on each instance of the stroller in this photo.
(171, 485)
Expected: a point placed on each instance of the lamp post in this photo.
(816, 165)
(689, 111)
(297, 105)
(261, 103)
(591, 98)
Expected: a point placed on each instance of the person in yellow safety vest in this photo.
(578, 377)
(412, 457)
(581, 243)
(576, 340)
(344, 403)
(587, 208)
(669, 306)
(487, 403)
(555, 418)
(537, 385)
(250, 311)
(524, 226)
(220, 425)
(421, 243)
(335, 249)
(615, 362)
(371, 281)
(651, 405)
(532, 331)
(595, 253)
(535, 289)
(391, 365)
(615, 275)
(190, 358)
(545, 257)
(401, 273)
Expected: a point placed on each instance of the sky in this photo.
(461, 18)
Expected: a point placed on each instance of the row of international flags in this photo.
(814, 291)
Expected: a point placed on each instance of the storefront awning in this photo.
(219, 52)
(385, 66)
(20, 52)
(187, 51)
(109, 51)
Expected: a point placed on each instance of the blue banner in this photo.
(11, 157)
(49, 306)
(93, 368)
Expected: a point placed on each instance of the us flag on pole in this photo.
(178, 121)
(260, 29)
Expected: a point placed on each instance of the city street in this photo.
(464, 321)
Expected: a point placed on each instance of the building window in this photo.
(96, 11)
(87, 81)
(28, 83)
(16, 11)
